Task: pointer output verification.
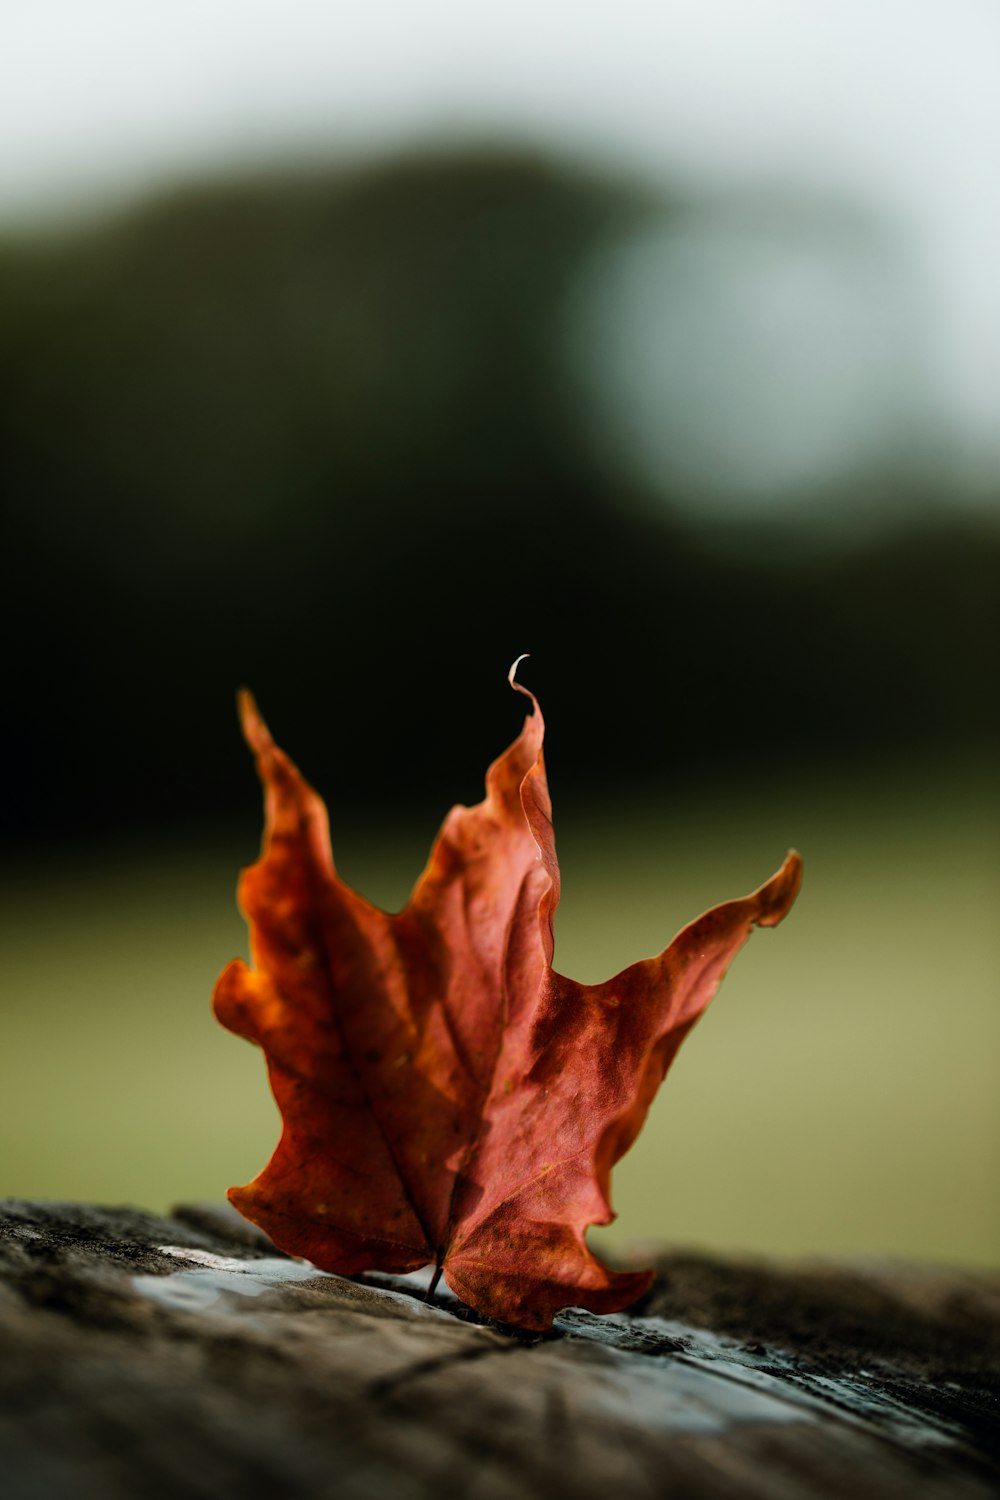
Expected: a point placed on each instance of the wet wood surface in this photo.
(184, 1356)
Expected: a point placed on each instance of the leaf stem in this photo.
(434, 1282)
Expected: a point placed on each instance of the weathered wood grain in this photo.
(183, 1356)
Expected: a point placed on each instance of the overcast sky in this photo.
(896, 101)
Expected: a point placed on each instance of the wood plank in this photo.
(184, 1356)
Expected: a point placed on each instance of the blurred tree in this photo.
(310, 433)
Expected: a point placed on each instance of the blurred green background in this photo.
(355, 414)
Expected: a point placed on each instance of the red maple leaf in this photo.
(447, 1097)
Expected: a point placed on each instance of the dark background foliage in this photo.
(311, 432)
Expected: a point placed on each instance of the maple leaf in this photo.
(447, 1097)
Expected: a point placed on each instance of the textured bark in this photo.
(184, 1356)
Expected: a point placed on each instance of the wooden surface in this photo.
(183, 1356)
